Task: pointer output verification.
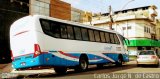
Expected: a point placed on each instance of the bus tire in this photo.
(60, 70)
(83, 64)
(119, 61)
(157, 65)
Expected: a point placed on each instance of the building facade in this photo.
(81, 16)
(136, 24)
(10, 10)
(39, 7)
(77, 15)
(52, 8)
(59, 9)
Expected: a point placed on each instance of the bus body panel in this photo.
(23, 37)
(57, 51)
(92, 50)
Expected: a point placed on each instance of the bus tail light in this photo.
(12, 55)
(37, 50)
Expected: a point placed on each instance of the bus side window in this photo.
(77, 32)
(63, 31)
(84, 34)
(116, 39)
(112, 38)
(91, 35)
(97, 36)
(46, 27)
(107, 37)
(55, 29)
(70, 32)
(102, 37)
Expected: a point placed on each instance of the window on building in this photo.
(70, 32)
(149, 30)
(75, 16)
(102, 37)
(129, 27)
(91, 35)
(40, 7)
(145, 29)
(77, 32)
(84, 34)
(97, 36)
(124, 28)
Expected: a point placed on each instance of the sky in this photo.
(97, 6)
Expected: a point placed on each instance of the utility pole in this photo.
(111, 19)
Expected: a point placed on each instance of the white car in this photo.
(147, 57)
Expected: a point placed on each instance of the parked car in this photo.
(147, 57)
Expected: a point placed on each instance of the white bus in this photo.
(39, 41)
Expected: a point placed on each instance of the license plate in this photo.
(145, 57)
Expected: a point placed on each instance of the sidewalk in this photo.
(2, 66)
(6, 68)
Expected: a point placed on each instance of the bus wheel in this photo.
(119, 61)
(83, 64)
(60, 70)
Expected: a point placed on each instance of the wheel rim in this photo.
(83, 64)
(119, 61)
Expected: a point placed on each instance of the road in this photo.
(128, 71)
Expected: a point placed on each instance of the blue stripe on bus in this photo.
(57, 61)
(49, 59)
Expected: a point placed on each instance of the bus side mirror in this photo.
(127, 41)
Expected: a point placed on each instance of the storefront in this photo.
(143, 44)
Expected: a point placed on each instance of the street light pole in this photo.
(111, 13)
(111, 19)
(126, 4)
(121, 10)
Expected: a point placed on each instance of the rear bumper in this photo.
(24, 62)
(153, 61)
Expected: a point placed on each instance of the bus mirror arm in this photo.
(127, 41)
